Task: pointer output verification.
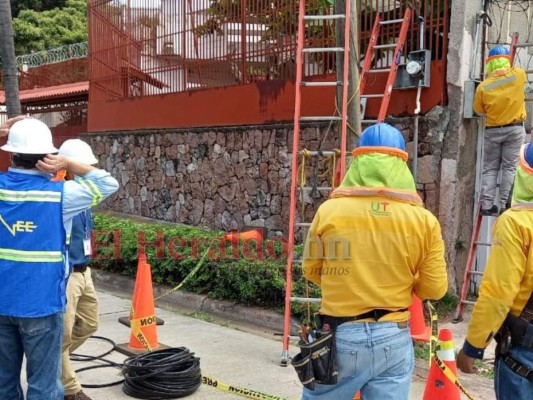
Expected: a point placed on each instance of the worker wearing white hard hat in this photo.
(36, 217)
(81, 316)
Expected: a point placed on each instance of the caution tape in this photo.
(434, 345)
(137, 324)
(191, 274)
(239, 391)
(448, 373)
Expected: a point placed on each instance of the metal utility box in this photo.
(468, 105)
(415, 72)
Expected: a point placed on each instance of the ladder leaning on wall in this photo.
(296, 190)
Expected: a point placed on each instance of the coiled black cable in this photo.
(162, 374)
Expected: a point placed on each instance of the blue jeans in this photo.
(508, 384)
(39, 339)
(374, 358)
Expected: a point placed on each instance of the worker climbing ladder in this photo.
(297, 186)
(474, 269)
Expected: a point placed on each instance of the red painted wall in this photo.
(252, 104)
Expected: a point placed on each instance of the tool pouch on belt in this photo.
(317, 361)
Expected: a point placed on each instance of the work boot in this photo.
(78, 396)
(493, 212)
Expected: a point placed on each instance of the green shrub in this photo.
(230, 271)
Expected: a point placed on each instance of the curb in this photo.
(191, 302)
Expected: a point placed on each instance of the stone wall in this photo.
(229, 178)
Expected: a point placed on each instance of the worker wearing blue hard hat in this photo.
(501, 98)
(369, 248)
(504, 308)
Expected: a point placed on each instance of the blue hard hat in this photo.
(498, 51)
(529, 155)
(382, 135)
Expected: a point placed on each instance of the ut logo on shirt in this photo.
(379, 208)
(19, 226)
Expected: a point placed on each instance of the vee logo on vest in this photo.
(19, 226)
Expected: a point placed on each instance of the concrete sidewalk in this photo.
(230, 355)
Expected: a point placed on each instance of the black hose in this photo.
(162, 374)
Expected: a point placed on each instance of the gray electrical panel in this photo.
(468, 105)
(415, 72)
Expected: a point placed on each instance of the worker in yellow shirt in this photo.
(504, 309)
(369, 247)
(501, 98)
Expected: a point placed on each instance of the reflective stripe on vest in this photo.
(522, 206)
(31, 256)
(30, 195)
(395, 194)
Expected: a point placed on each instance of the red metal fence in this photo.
(146, 47)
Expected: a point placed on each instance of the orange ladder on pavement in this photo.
(298, 152)
(470, 269)
(342, 120)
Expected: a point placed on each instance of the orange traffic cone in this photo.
(438, 386)
(143, 335)
(419, 330)
(127, 320)
(357, 396)
(252, 234)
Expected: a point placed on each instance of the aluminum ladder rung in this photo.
(318, 153)
(297, 260)
(321, 83)
(316, 188)
(369, 121)
(372, 96)
(385, 46)
(378, 70)
(478, 273)
(483, 243)
(324, 118)
(322, 49)
(391, 21)
(306, 299)
(303, 224)
(468, 302)
(323, 17)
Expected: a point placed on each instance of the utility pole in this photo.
(354, 104)
(9, 64)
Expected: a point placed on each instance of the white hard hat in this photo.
(29, 136)
(78, 150)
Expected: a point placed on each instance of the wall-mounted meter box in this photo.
(415, 72)
(468, 104)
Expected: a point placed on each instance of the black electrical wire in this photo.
(162, 374)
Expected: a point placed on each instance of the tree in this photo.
(37, 31)
(9, 65)
(36, 5)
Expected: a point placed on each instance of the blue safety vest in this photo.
(32, 246)
(82, 227)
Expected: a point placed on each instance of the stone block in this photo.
(427, 172)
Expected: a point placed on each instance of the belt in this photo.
(79, 268)
(505, 126)
(374, 314)
(518, 368)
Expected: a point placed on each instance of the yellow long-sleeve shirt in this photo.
(501, 97)
(372, 252)
(507, 280)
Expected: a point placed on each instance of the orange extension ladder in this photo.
(342, 119)
(370, 53)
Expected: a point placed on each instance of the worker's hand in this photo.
(4, 128)
(465, 363)
(53, 163)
